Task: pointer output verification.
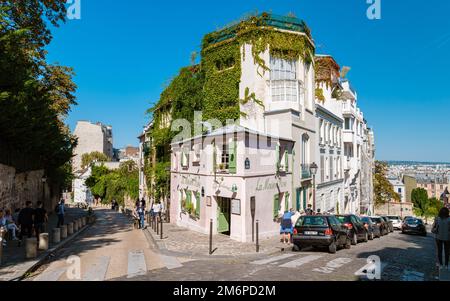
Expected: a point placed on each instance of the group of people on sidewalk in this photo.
(156, 209)
(24, 222)
(289, 219)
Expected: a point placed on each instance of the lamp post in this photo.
(168, 195)
(313, 169)
(44, 180)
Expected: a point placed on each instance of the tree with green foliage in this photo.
(89, 158)
(114, 184)
(383, 189)
(419, 198)
(35, 97)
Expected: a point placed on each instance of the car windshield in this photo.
(393, 218)
(309, 221)
(343, 219)
(376, 219)
(412, 221)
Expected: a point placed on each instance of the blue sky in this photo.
(124, 54)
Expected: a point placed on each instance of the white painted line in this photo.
(272, 259)
(170, 262)
(412, 276)
(300, 262)
(333, 265)
(136, 264)
(370, 268)
(98, 271)
(50, 275)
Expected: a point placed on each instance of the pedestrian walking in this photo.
(286, 227)
(441, 230)
(141, 214)
(40, 219)
(309, 210)
(60, 211)
(156, 209)
(26, 216)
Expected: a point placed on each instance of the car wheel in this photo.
(296, 248)
(348, 243)
(332, 248)
(354, 239)
(366, 237)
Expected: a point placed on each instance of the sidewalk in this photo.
(14, 264)
(179, 241)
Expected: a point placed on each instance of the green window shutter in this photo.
(276, 205)
(286, 202)
(286, 160)
(188, 197)
(232, 162)
(277, 156)
(197, 205)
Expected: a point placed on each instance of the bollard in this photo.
(43, 241)
(63, 232)
(83, 221)
(210, 236)
(79, 224)
(257, 236)
(157, 225)
(69, 229)
(161, 228)
(56, 235)
(75, 226)
(30, 247)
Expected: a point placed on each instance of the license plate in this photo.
(311, 233)
(413, 226)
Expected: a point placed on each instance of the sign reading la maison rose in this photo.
(191, 181)
(268, 184)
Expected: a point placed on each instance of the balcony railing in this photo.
(306, 171)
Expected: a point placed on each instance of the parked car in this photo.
(396, 221)
(389, 223)
(384, 228)
(406, 217)
(357, 231)
(414, 226)
(373, 228)
(320, 231)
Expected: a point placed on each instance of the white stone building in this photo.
(399, 187)
(92, 138)
(81, 193)
(329, 151)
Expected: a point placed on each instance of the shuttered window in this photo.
(276, 205)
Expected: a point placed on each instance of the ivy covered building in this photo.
(248, 157)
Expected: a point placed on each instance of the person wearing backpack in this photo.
(59, 210)
(441, 230)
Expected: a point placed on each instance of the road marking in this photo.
(272, 259)
(52, 275)
(370, 267)
(300, 262)
(333, 265)
(136, 264)
(170, 262)
(412, 276)
(98, 270)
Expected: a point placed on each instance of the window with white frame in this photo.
(284, 81)
(321, 131)
(196, 150)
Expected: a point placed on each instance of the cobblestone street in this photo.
(112, 250)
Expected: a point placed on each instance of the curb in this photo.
(47, 254)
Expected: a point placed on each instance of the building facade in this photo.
(329, 151)
(92, 138)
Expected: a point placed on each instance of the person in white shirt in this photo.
(156, 209)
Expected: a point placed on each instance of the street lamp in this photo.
(168, 195)
(313, 169)
(44, 180)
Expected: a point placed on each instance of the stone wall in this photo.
(395, 208)
(18, 188)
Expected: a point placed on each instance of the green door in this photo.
(297, 202)
(223, 215)
(304, 199)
